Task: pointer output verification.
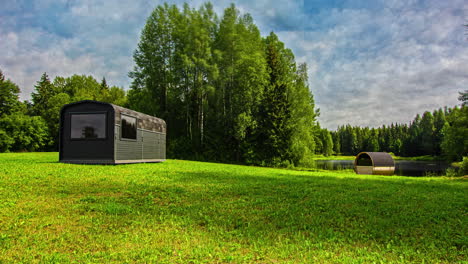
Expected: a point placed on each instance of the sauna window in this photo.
(88, 126)
(128, 127)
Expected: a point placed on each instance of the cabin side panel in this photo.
(154, 145)
(126, 149)
(149, 146)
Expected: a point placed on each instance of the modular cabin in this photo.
(380, 163)
(93, 132)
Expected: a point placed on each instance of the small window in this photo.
(88, 126)
(128, 127)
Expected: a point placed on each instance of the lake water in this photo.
(402, 167)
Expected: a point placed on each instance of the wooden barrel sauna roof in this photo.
(377, 159)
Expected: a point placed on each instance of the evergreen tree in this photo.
(439, 122)
(413, 143)
(44, 90)
(336, 142)
(9, 94)
(455, 141)
(463, 98)
(373, 142)
(427, 134)
(18, 132)
(275, 112)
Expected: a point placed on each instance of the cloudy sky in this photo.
(370, 62)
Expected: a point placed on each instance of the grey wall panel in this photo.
(148, 146)
(128, 149)
(163, 146)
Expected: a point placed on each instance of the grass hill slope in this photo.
(194, 212)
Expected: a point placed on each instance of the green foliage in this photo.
(20, 132)
(275, 129)
(44, 90)
(325, 143)
(6, 140)
(455, 141)
(193, 212)
(464, 98)
(225, 93)
(464, 166)
(427, 133)
(9, 92)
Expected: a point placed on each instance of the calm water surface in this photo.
(403, 167)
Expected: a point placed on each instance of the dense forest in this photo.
(444, 132)
(228, 94)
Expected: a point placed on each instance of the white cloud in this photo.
(366, 66)
(24, 63)
(373, 68)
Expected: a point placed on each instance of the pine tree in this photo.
(9, 95)
(275, 112)
(463, 98)
(439, 122)
(44, 90)
(427, 133)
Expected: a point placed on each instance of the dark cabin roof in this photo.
(145, 121)
(379, 159)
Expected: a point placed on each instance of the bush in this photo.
(20, 132)
(451, 172)
(464, 167)
(5, 141)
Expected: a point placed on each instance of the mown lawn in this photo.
(194, 212)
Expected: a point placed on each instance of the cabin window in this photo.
(128, 127)
(88, 126)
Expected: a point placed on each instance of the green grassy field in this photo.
(194, 212)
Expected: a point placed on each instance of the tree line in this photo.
(34, 126)
(444, 132)
(227, 94)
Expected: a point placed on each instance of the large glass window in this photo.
(128, 127)
(88, 126)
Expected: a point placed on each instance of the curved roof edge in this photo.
(145, 121)
(379, 159)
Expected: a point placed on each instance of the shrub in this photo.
(464, 167)
(20, 132)
(451, 172)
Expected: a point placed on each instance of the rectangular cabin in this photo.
(93, 132)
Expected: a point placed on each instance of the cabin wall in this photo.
(86, 151)
(149, 146)
(154, 146)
